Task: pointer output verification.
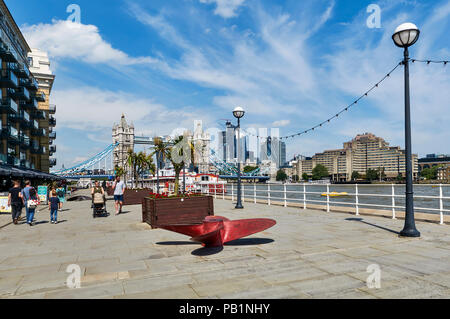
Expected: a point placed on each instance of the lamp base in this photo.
(410, 232)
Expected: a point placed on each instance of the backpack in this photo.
(32, 203)
(60, 193)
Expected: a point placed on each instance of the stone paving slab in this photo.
(308, 254)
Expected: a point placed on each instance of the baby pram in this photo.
(99, 205)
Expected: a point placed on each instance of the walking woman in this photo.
(30, 199)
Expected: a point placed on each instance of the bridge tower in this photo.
(122, 133)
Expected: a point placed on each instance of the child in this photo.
(53, 204)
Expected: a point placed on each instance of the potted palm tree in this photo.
(164, 209)
(139, 164)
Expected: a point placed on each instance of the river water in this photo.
(277, 193)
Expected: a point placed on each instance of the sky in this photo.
(290, 64)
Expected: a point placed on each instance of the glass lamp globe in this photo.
(238, 112)
(406, 35)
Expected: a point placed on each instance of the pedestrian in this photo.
(54, 204)
(30, 200)
(15, 201)
(104, 186)
(119, 188)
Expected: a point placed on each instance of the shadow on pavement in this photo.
(176, 243)
(249, 241)
(207, 251)
(377, 226)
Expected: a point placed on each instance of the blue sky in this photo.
(290, 64)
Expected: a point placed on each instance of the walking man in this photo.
(15, 201)
(29, 193)
(119, 188)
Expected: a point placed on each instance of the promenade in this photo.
(308, 254)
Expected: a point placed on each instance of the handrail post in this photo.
(304, 196)
(232, 192)
(215, 190)
(285, 202)
(441, 205)
(224, 187)
(254, 193)
(393, 202)
(357, 200)
(328, 198)
(268, 194)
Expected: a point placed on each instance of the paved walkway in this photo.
(308, 254)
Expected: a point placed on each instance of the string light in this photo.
(444, 62)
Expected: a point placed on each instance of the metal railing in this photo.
(309, 193)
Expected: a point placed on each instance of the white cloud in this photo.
(281, 123)
(67, 39)
(225, 8)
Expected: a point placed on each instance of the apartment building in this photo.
(22, 119)
(40, 67)
(366, 151)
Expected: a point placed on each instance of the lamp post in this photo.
(404, 36)
(238, 113)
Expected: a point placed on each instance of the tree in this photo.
(430, 173)
(119, 171)
(281, 175)
(181, 152)
(161, 150)
(355, 175)
(319, 172)
(371, 174)
(305, 177)
(399, 177)
(295, 178)
(132, 160)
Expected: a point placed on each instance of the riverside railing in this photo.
(377, 196)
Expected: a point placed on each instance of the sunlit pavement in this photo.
(308, 254)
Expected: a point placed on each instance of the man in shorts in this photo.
(119, 188)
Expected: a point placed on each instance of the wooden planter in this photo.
(135, 196)
(176, 211)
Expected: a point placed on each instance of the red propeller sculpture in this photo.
(217, 230)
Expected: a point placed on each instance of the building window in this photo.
(30, 61)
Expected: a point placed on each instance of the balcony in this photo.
(39, 96)
(13, 117)
(52, 150)
(24, 117)
(52, 162)
(14, 161)
(24, 142)
(38, 132)
(11, 134)
(7, 53)
(8, 79)
(30, 83)
(52, 121)
(8, 106)
(52, 135)
(32, 104)
(52, 109)
(20, 93)
(23, 71)
(38, 115)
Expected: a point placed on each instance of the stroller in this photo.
(99, 205)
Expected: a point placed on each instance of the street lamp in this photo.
(404, 36)
(238, 113)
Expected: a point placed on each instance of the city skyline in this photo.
(263, 55)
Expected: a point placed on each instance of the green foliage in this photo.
(355, 175)
(319, 172)
(371, 174)
(399, 177)
(430, 173)
(281, 175)
(305, 177)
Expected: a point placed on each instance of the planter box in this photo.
(174, 211)
(134, 196)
